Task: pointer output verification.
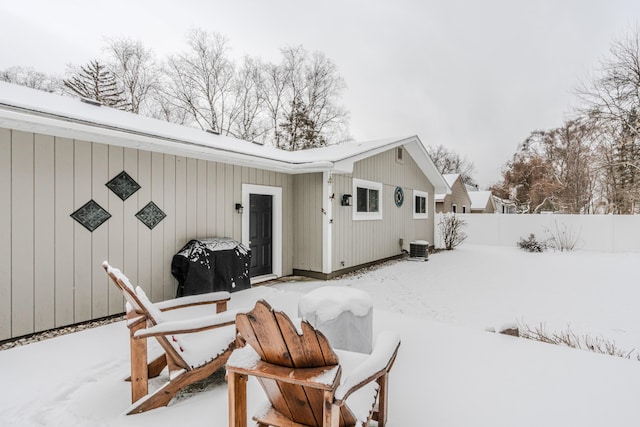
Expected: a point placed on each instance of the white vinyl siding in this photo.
(368, 200)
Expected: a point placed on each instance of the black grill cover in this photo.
(209, 265)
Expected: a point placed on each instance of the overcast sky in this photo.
(475, 76)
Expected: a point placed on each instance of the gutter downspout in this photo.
(327, 221)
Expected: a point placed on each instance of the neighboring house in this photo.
(171, 183)
(504, 206)
(482, 202)
(458, 200)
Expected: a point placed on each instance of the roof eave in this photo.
(69, 129)
(419, 153)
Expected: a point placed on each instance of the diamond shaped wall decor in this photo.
(151, 215)
(91, 215)
(123, 185)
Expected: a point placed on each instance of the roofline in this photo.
(35, 111)
(26, 119)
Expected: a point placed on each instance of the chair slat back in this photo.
(142, 305)
(125, 287)
(277, 340)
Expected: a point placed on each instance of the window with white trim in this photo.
(368, 199)
(454, 208)
(420, 204)
(464, 208)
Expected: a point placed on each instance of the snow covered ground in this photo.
(449, 371)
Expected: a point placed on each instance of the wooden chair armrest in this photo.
(323, 377)
(188, 301)
(188, 326)
(376, 365)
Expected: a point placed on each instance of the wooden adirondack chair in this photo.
(301, 374)
(196, 339)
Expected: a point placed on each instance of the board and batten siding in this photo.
(50, 265)
(307, 250)
(360, 242)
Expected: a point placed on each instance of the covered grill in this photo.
(212, 264)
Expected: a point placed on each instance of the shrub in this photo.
(569, 338)
(451, 230)
(531, 244)
(562, 238)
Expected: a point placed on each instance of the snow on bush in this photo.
(531, 244)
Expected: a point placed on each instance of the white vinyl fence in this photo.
(608, 233)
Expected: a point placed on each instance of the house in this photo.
(504, 206)
(458, 201)
(482, 202)
(83, 183)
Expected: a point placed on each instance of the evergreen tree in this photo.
(298, 131)
(95, 81)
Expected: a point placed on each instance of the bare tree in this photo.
(200, 81)
(324, 89)
(528, 180)
(569, 150)
(248, 117)
(274, 90)
(302, 96)
(136, 73)
(612, 102)
(448, 161)
(27, 76)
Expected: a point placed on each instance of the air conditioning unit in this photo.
(419, 250)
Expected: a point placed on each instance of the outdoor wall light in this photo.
(346, 200)
(239, 208)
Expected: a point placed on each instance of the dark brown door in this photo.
(261, 234)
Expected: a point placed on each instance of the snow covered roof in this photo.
(479, 199)
(32, 110)
(451, 178)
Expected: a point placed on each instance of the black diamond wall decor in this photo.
(91, 215)
(123, 185)
(151, 215)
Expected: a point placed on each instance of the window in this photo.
(420, 204)
(400, 154)
(454, 208)
(368, 199)
(464, 209)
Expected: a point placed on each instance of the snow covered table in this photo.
(343, 315)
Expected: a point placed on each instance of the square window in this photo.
(420, 204)
(368, 197)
